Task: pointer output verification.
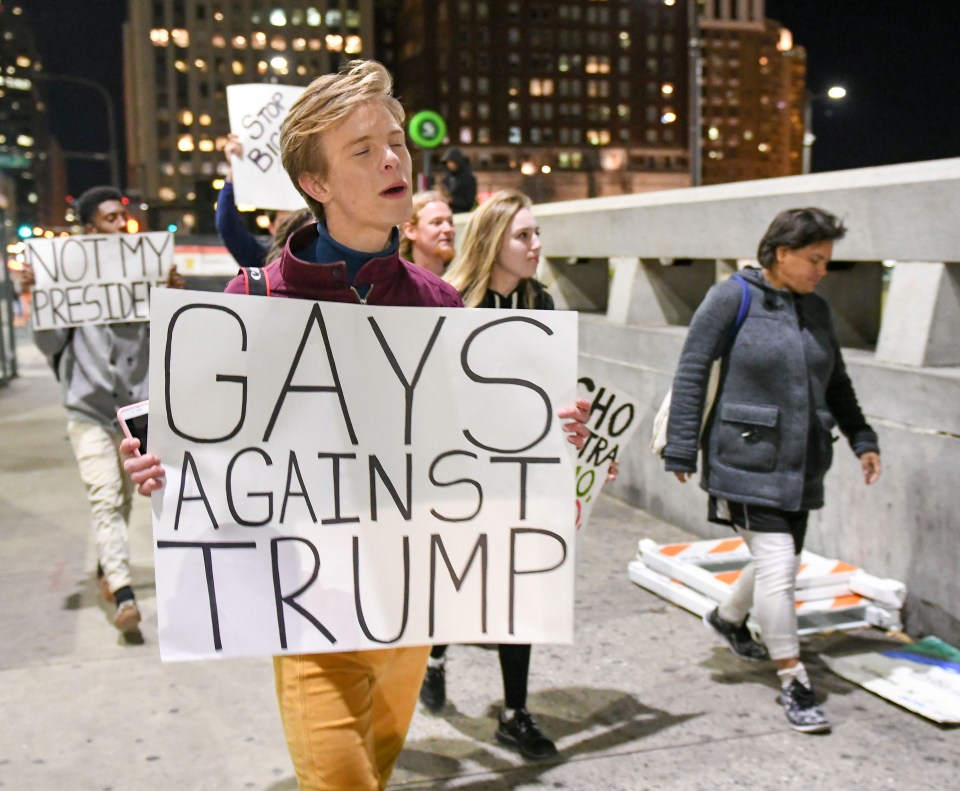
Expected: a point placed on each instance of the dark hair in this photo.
(290, 223)
(796, 228)
(87, 203)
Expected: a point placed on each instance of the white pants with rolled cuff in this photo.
(110, 494)
(766, 587)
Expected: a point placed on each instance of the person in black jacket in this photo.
(495, 269)
(767, 445)
(458, 182)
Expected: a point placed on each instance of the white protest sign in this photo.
(96, 278)
(614, 417)
(348, 477)
(256, 111)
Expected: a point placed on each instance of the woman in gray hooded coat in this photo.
(767, 445)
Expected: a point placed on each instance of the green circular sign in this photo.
(427, 129)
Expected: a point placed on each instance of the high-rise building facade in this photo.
(180, 55)
(752, 94)
(31, 170)
(561, 98)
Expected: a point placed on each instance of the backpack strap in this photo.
(257, 281)
(745, 297)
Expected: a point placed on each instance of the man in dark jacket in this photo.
(458, 182)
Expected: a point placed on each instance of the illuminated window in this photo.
(239, 42)
(668, 117)
(315, 44)
(667, 89)
(299, 44)
(334, 42)
(314, 18)
(186, 118)
(185, 143)
(181, 37)
(258, 40)
(206, 144)
(334, 17)
(262, 67)
(354, 45)
(218, 41)
(278, 17)
(180, 65)
(466, 135)
(279, 43)
(205, 120)
(160, 37)
(238, 67)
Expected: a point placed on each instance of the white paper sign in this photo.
(256, 111)
(346, 477)
(614, 417)
(96, 278)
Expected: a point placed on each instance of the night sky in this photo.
(895, 58)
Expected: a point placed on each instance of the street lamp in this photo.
(111, 154)
(834, 93)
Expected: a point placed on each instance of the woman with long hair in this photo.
(495, 269)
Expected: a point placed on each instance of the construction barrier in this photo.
(831, 594)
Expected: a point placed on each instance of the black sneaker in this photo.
(522, 732)
(800, 706)
(738, 637)
(433, 692)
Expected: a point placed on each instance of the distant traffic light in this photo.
(25, 231)
(172, 228)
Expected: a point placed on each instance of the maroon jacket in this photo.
(392, 280)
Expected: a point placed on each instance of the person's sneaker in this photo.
(521, 731)
(739, 639)
(433, 692)
(104, 588)
(800, 705)
(127, 618)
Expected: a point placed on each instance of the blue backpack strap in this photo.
(256, 280)
(745, 297)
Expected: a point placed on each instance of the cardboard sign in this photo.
(256, 111)
(96, 278)
(614, 417)
(347, 477)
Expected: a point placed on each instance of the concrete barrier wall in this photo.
(899, 323)
(907, 526)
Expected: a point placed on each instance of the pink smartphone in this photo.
(133, 421)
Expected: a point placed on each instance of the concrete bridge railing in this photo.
(637, 266)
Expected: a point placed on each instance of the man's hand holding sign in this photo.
(354, 477)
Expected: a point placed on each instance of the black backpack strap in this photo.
(257, 281)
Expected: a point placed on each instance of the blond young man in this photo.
(345, 715)
(427, 237)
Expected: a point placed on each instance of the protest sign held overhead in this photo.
(96, 278)
(614, 417)
(256, 111)
(349, 477)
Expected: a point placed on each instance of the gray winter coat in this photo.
(784, 387)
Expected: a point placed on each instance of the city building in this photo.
(32, 183)
(560, 98)
(753, 81)
(179, 57)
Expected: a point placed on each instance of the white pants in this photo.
(766, 586)
(110, 494)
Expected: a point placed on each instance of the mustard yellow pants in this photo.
(346, 715)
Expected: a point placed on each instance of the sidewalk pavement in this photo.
(644, 698)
